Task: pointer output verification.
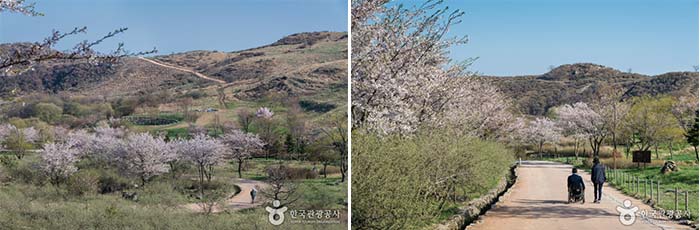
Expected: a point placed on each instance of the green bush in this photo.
(406, 182)
(28, 174)
(8, 161)
(48, 112)
(84, 182)
(110, 181)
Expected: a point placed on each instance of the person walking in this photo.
(253, 193)
(598, 178)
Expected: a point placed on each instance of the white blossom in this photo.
(58, 161)
(264, 112)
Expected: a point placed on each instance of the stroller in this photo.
(577, 193)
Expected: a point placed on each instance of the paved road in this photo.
(240, 201)
(538, 201)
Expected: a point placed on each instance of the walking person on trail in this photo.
(598, 178)
(253, 193)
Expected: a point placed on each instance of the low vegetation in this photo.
(418, 180)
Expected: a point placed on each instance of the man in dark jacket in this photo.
(598, 178)
(575, 181)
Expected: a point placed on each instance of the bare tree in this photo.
(339, 141)
(281, 187)
(245, 119)
(610, 105)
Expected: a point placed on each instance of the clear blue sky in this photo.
(516, 37)
(177, 25)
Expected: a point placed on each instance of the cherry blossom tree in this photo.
(242, 145)
(399, 58)
(541, 131)
(264, 112)
(588, 122)
(403, 78)
(26, 57)
(569, 129)
(58, 161)
(144, 156)
(18, 6)
(204, 152)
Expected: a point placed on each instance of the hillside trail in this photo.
(200, 75)
(239, 201)
(538, 199)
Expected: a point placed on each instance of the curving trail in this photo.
(537, 201)
(183, 69)
(237, 202)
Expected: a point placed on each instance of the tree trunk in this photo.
(325, 175)
(576, 149)
(670, 148)
(201, 181)
(656, 150)
(342, 176)
(240, 164)
(697, 157)
(614, 153)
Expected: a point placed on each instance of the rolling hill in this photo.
(535, 94)
(299, 64)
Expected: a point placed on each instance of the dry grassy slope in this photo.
(299, 64)
(136, 76)
(536, 94)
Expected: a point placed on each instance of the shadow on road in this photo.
(559, 211)
(541, 201)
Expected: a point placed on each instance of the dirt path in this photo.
(183, 69)
(237, 202)
(538, 201)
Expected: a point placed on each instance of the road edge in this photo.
(478, 207)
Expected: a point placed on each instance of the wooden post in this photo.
(675, 206)
(651, 189)
(658, 192)
(637, 192)
(686, 200)
(645, 187)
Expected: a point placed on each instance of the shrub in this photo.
(84, 182)
(293, 173)
(318, 107)
(406, 181)
(29, 174)
(48, 112)
(8, 161)
(110, 181)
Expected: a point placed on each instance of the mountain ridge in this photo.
(570, 83)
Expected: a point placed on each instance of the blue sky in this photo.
(177, 25)
(520, 37)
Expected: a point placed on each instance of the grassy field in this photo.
(29, 202)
